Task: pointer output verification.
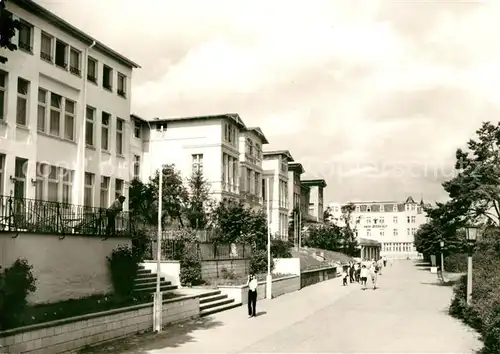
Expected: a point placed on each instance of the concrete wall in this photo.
(287, 266)
(212, 268)
(310, 277)
(75, 333)
(70, 268)
(279, 287)
(170, 270)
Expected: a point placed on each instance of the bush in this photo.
(123, 265)
(281, 249)
(190, 270)
(141, 243)
(258, 262)
(227, 273)
(455, 263)
(16, 282)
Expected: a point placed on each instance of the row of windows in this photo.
(56, 115)
(229, 176)
(251, 181)
(55, 51)
(382, 208)
(395, 232)
(55, 183)
(398, 247)
(253, 150)
(381, 220)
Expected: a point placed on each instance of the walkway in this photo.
(408, 314)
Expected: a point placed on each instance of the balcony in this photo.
(43, 217)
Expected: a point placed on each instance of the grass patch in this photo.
(42, 313)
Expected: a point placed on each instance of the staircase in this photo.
(214, 301)
(145, 282)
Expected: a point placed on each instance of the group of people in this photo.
(359, 272)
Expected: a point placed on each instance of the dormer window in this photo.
(358, 209)
(161, 127)
(395, 208)
(381, 208)
(368, 209)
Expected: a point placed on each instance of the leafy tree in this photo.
(175, 195)
(475, 190)
(142, 203)
(328, 215)
(327, 237)
(8, 27)
(349, 240)
(231, 221)
(199, 192)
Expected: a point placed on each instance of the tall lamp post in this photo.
(158, 297)
(269, 278)
(471, 235)
(441, 244)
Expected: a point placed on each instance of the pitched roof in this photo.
(234, 117)
(284, 153)
(55, 20)
(259, 133)
(296, 166)
(314, 182)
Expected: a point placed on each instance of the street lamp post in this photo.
(158, 297)
(471, 235)
(269, 279)
(441, 244)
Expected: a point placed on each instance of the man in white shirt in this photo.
(252, 295)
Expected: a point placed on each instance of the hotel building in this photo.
(65, 131)
(391, 223)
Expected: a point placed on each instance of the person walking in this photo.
(380, 265)
(384, 259)
(357, 272)
(252, 295)
(363, 276)
(351, 273)
(374, 273)
(112, 213)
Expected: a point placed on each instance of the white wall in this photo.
(287, 266)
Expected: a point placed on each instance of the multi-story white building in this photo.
(275, 167)
(316, 192)
(391, 223)
(227, 152)
(65, 131)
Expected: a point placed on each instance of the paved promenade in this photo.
(406, 315)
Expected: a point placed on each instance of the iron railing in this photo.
(39, 216)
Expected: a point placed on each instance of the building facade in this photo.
(65, 129)
(391, 223)
(316, 192)
(275, 167)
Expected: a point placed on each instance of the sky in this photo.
(374, 96)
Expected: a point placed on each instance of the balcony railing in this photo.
(44, 217)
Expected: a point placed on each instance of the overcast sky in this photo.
(373, 96)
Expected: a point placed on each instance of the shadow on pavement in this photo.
(439, 283)
(427, 269)
(171, 337)
(421, 264)
(260, 313)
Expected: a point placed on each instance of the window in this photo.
(369, 233)
(137, 166)
(197, 163)
(104, 191)
(395, 219)
(67, 181)
(22, 102)
(408, 219)
(42, 109)
(20, 177)
(88, 196)
(381, 208)
(413, 231)
(394, 208)
(105, 131)
(368, 209)
(107, 77)
(69, 120)
(408, 232)
(381, 233)
(137, 129)
(74, 61)
(92, 70)
(413, 219)
(284, 165)
(3, 94)
(120, 123)
(53, 185)
(118, 188)
(89, 126)
(249, 179)
(46, 47)
(61, 54)
(258, 178)
(55, 114)
(395, 232)
(122, 85)
(358, 209)
(2, 168)
(368, 220)
(25, 37)
(382, 220)
(40, 178)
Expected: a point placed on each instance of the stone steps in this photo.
(214, 301)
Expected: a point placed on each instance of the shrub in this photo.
(141, 243)
(227, 273)
(258, 262)
(455, 263)
(281, 249)
(16, 283)
(190, 270)
(123, 265)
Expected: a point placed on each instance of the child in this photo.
(364, 276)
(344, 277)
